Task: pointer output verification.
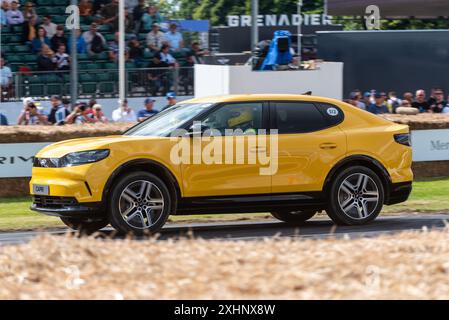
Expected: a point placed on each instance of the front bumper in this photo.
(67, 207)
(399, 192)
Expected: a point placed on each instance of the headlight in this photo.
(72, 159)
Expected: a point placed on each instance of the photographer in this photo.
(79, 115)
(31, 115)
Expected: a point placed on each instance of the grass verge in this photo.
(428, 196)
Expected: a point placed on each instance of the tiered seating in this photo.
(91, 79)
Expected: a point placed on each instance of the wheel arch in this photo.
(361, 160)
(147, 165)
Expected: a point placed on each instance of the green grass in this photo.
(428, 196)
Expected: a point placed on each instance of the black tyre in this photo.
(85, 226)
(139, 203)
(294, 216)
(356, 196)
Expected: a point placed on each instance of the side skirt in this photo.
(251, 203)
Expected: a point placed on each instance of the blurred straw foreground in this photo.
(408, 265)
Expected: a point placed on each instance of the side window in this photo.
(244, 116)
(333, 114)
(298, 117)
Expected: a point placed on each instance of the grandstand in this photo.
(98, 75)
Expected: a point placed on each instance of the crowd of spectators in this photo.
(379, 102)
(52, 47)
(83, 112)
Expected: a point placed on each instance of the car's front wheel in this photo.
(294, 216)
(84, 226)
(356, 196)
(140, 203)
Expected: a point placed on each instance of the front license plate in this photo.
(41, 189)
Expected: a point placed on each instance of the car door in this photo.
(310, 143)
(227, 165)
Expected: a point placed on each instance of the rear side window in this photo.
(333, 114)
(298, 117)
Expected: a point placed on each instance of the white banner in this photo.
(430, 145)
(16, 159)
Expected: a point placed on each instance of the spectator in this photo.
(420, 102)
(114, 48)
(166, 57)
(439, 103)
(58, 111)
(409, 97)
(158, 75)
(94, 40)
(3, 20)
(367, 98)
(110, 14)
(45, 59)
(378, 107)
(86, 8)
(98, 115)
(40, 40)
(61, 59)
(138, 13)
(30, 30)
(195, 55)
(14, 16)
(5, 76)
(31, 115)
(148, 111)
(79, 115)
(171, 100)
(406, 104)
(151, 17)
(49, 26)
(393, 102)
(124, 113)
(135, 52)
(3, 120)
(354, 99)
(155, 38)
(29, 11)
(58, 38)
(129, 22)
(174, 38)
(80, 43)
(131, 4)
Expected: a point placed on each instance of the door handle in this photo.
(328, 145)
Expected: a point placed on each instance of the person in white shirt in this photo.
(49, 27)
(14, 16)
(174, 38)
(155, 38)
(124, 113)
(61, 58)
(166, 56)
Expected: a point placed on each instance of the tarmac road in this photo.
(254, 230)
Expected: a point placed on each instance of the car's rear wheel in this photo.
(85, 226)
(294, 216)
(140, 203)
(356, 196)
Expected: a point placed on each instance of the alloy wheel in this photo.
(141, 204)
(358, 196)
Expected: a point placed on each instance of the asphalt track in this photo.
(256, 230)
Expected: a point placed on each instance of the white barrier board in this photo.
(16, 159)
(430, 145)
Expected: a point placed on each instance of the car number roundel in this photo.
(332, 112)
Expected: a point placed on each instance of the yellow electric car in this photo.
(291, 155)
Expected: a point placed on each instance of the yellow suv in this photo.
(290, 155)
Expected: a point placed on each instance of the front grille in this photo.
(54, 202)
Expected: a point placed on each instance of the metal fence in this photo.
(101, 83)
